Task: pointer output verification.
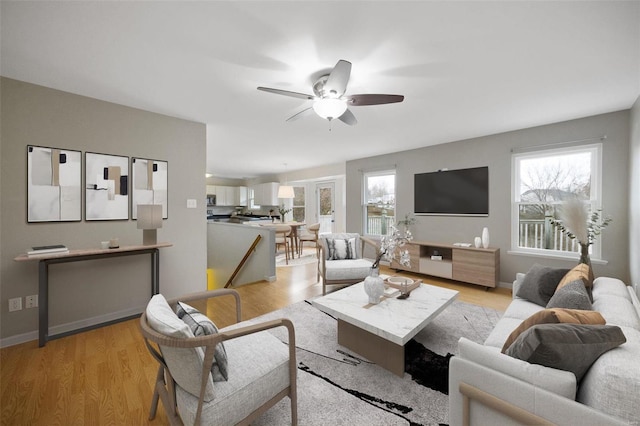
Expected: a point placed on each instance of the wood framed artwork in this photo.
(149, 184)
(54, 179)
(106, 187)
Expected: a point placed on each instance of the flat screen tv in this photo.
(463, 192)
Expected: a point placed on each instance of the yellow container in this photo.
(211, 285)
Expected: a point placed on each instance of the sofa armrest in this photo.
(514, 396)
(516, 284)
(556, 381)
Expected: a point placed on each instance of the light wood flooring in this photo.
(105, 376)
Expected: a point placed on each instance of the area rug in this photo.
(308, 256)
(339, 387)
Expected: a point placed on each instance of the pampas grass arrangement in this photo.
(576, 223)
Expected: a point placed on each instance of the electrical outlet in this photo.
(15, 304)
(192, 203)
(31, 301)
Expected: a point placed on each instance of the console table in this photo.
(45, 260)
(467, 264)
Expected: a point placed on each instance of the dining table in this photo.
(294, 233)
(295, 225)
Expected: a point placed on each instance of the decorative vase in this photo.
(374, 286)
(485, 237)
(584, 258)
(477, 242)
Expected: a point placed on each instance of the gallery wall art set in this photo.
(54, 185)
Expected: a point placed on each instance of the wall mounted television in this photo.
(463, 192)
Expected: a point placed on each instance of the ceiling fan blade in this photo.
(302, 113)
(348, 118)
(336, 84)
(373, 99)
(286, 93)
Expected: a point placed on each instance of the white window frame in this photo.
(595, 197)
(365, 178)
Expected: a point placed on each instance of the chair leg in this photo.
(156, 395)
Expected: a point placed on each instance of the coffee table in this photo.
(379, 332)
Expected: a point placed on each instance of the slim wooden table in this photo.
(76, 256)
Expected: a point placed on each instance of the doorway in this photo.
(325, 202)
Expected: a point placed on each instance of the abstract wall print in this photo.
(150, 184)
(107, 187)
(54, 178)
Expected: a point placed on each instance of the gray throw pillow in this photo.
(572, 296)
(540, 283)
(201, 325)
(569, 347)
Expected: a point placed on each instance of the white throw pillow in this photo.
(341, 249)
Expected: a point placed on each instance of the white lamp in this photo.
(285, 191)
(329, 108)
(149, 220)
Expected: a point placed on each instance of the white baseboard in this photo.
(75, 325)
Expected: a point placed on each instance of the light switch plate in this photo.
(192, 203)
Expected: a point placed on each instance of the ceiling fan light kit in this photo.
(328, 99)
(329, 108)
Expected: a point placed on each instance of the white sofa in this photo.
(608, 394)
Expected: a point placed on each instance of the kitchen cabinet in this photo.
(243, 196)
(228, 195)
(266, 194)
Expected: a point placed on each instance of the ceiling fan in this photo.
(329, 100)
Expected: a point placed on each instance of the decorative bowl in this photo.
(400, 281)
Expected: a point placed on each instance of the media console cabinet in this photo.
(467, 264)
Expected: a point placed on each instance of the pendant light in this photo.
(285, 191)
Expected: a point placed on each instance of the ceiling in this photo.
(466, 69)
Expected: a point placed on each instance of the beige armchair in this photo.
(341, 259)
(194, 357)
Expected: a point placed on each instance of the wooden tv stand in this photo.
(467, 264)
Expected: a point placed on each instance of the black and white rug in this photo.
(339, 387)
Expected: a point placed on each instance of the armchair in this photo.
(260, 369)
(341, 259)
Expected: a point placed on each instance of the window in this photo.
(298, 206)
(542, 181)
(379, 202)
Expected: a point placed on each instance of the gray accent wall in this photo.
(87, 292)
(495, 151)
(634, 197)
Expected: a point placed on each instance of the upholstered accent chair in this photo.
(341, 259)
(209, 376)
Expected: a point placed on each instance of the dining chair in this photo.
(310, 236)
(283, 233)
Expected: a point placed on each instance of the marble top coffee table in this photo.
(379, 332)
